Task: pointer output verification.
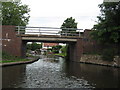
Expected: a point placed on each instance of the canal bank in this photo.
(97, 60)
(31, 60)
(49, 73)
(86, 59)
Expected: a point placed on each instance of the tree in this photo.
(69, 23)
(108, 28)
(14, 13)
(56, 49)
(34, 46)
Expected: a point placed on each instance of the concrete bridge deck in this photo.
(49, 38)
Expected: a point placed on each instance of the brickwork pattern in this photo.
(10, 42)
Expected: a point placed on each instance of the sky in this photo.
(52, 13)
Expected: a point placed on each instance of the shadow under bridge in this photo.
(71, 36)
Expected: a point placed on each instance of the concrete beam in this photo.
(48, 39)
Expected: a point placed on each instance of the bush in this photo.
(56, 49)
(64, 49)
(7, 56)
(34, 46)
(108, 54)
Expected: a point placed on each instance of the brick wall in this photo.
(91, 46)
(75, 50)
(10, 42)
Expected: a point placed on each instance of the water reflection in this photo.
(98, 76)
(54, 72)
(13, 75)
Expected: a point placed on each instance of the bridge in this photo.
(48, 34)
(18, 36)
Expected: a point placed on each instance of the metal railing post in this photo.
(49, 31)
(79, 33)
(39, 32)
(60, 33)
(18, 30)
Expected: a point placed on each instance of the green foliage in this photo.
(5, 55)
(108, 54)
(49, 49)
(14, 13)
(16, 60)
(9, 58)
(108, 28)
(0, 54)
(56, 49)
(64, 50)
(34, 46)
(69, 23)
(61, 54)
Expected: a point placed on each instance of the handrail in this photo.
(48, 31)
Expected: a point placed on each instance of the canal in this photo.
(55, 72)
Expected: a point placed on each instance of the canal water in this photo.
(55, 72)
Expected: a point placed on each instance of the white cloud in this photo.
(54, 12)
(83, 21)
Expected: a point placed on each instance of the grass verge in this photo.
(60, 54)
(6, 58)
(9, 61)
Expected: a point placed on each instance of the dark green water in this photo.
(56, 73)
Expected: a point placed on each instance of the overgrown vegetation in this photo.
(34, 46)
(107, 30)
(61, 54)
(55, 49)
(9, 58)
(64, 50)
(69, 23)
(14, 13)
(108, 54)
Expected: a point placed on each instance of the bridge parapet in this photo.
(51, 31)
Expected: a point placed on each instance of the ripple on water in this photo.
(46, 74)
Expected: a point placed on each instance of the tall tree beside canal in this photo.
(108, 28)
(69, 23)
(14, 13)
(107, 31)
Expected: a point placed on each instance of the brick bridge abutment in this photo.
(75, 50)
